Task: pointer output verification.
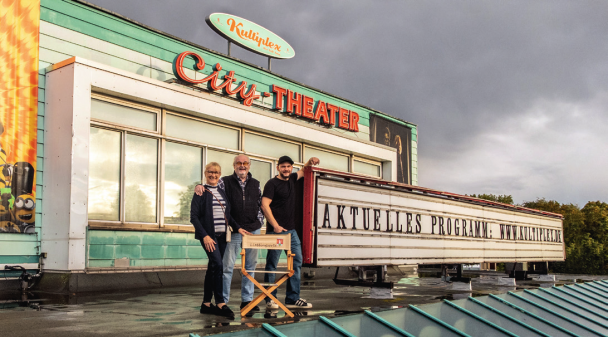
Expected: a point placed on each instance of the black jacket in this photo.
(245, 206)
(201, 215)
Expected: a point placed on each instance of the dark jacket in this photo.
(201, 215)
(245, 205)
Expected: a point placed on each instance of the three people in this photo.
(244, 207)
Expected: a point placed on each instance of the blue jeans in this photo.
(272, 259)
(233, 249)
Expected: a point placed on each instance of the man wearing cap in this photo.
(278, 205)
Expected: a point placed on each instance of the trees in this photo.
(505, 199)
(585, 233)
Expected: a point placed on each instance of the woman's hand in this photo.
(209, 243)
(199, 190)
(244, 232)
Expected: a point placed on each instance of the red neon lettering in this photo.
(179, 66)
(343, 120)
(354, 121)
(332, 109)
(278, 94)
(294, 100)
(321, 113)
(307, 103)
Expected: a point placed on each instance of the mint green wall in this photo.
(147, 249)
(16, 249)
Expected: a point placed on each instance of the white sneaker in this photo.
(300, 304)
(271, 305)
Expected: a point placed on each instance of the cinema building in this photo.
(127, 118)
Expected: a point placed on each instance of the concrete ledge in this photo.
(63, 283)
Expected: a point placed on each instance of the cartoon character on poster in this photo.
(17, 203)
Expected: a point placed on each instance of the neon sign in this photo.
(285, 100)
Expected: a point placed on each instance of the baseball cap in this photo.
(285, 159)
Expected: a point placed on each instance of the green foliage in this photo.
(505, 199)
(585, 235)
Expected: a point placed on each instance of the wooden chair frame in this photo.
(262, 241)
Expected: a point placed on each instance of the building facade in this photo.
(122, 142)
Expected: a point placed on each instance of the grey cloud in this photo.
(463, 71)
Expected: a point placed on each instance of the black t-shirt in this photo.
(283, 205)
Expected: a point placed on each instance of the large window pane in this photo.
(329, 160)
(206, 133)
(270, 147)
(366, 168)
(261, 171)
(225, 160)
(104, 175)
(140, 179)
(120, 114)
(183, 167)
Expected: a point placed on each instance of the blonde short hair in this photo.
(213, 164)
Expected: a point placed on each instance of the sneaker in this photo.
(224, 311)
(208, 309)
(271, 305)
(244, 304)
(300, 304)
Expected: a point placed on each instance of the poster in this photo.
(383, 131)
(19, 27)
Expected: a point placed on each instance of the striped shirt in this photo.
(218, 213)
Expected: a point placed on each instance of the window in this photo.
(183, 171)
(202, 132)
(329, 160)
(123, 115)
(104, 175)
(271, 147)
(145, 162)
(367, 168)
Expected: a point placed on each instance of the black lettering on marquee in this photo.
(502, 232)
(377, 220)
(464, 227)
(441, 229)
(484, 229)
(418, 223)
(471, 228)
(456, 227)
(514, 229)
(477, 229)
(341, 224)
(389, 225)
(408, 223)
(326, 222)
(433, 223)
(399, 226)
(449, 226)
(365, 218)
(354, 211)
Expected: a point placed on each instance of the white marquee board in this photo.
(360, 225)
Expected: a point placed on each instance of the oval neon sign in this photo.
(250, 35)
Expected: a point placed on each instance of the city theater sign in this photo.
(285, 100)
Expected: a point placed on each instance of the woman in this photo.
(210, 215)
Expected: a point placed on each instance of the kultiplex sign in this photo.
(285, 100)
(250, 35)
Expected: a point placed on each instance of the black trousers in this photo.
(213, 277)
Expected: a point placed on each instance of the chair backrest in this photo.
(267, 241)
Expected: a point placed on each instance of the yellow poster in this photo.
(19, 27)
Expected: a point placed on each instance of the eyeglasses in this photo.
(242, 163)
(213, 172)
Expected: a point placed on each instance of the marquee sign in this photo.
(285, 100)
(354, 224)
(250, 35)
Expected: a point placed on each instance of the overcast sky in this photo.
(510, 97)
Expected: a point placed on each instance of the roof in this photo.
(569, 310)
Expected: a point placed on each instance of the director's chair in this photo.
(273, 242)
